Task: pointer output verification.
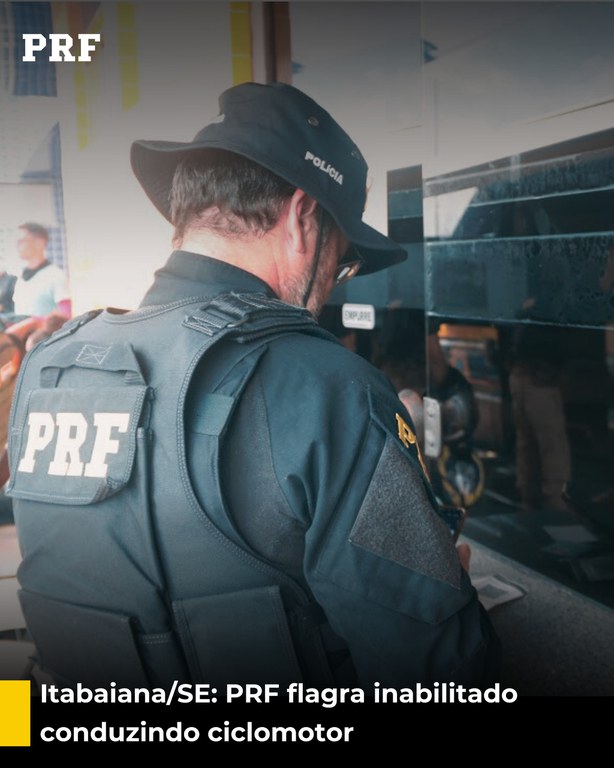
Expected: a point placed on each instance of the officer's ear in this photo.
(301, 223)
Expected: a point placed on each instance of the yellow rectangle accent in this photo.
(129, 69)
(83, 129)
(14, 713)
(241, 40)
(241, 70)
(125, 14)
(126, 42)
(130, 96)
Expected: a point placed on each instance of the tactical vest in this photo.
(125, 577)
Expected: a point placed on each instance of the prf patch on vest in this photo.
(75, 446)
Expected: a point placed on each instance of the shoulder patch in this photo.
(408, 437)
(389, 415)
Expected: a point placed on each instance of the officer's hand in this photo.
(464, 555)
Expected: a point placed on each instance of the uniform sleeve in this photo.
(378, 557)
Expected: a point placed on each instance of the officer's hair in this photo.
(223, 191)
(35, 229)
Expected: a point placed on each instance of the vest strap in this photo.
(71, 326)
(233, 311)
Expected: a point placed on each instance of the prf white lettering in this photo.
(70, 432)
(60, 44)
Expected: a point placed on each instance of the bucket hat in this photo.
(281, 128)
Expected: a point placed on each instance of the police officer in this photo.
(211, 487)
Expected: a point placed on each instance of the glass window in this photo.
(501, 192)
(519, 276)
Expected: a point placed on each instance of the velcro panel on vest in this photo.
(111, 358)
(216, 631)
(75, 446)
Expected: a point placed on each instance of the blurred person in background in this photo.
(42, 288)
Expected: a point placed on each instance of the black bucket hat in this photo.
(287, 132)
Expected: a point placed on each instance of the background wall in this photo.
(157, 75)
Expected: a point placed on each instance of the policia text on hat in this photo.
(211, 488)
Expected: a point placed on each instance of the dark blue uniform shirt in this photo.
(321, 477)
